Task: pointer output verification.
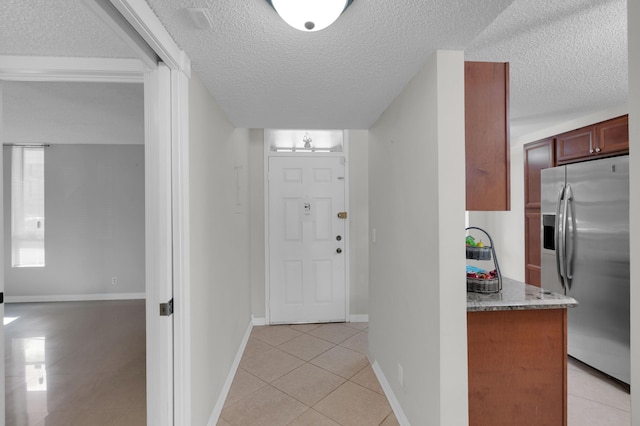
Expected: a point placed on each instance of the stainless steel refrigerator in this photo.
(585, 254)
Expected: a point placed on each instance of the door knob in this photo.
(339, 250)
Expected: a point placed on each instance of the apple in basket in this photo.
(491, 275)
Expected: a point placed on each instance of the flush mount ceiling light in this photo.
(310, 15)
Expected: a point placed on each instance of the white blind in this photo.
(27, 206)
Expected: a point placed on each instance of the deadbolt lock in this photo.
(342, 215)
(339, 238)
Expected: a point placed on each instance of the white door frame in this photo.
(150, 40)
(267, 259)
(2, 380)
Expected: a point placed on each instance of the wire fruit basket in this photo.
(483, 283)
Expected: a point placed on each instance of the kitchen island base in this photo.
(517, 367)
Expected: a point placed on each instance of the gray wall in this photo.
(220, 293)
(94, 229)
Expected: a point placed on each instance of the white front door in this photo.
(307, 280)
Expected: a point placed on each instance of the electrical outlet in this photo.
(400, 376)
(114, 280)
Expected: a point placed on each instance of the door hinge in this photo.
(166, 309)
(1, 297)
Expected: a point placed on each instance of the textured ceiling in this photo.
(55, 28)
(88, 113)
(568, 58)
(264, 73)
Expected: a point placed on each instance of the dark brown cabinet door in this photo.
(537, 156)
(613, 136)
(577, 144)
(487, 135)
(532, 248)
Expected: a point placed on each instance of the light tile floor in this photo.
(83, 363)
(595, 399)
(307, 375)
(75, 363)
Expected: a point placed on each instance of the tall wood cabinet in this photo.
(486, 97)
(537, 156)
(604, 139)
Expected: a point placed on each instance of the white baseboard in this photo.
(359, 318)
(74, 297)
(258, 321)
(217, 410)
(393, 401)
(352, 318)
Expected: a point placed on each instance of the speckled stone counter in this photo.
(516, 295)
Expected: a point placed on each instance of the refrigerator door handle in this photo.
(559, 238)
(568, 235)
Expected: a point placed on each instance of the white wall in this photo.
(358, 223)
(507, 228)
(220, 295)
(73, 112)
(634, 161)
(94, 229)
(256, 191)
(417, 289)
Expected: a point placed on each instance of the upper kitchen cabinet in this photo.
(575, 144)
(487, 135)
(603, 139)
(612, 136)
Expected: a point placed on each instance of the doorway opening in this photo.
(306, 212)
(93, 324)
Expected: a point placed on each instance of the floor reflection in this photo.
(35, 370)
(75, 363)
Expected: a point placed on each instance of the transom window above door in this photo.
(304, 141)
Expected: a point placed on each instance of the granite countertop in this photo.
(516, 295)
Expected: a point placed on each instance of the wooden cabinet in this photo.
(537, 156)
(604, 139)
(487, 135)
(575, 144)
(517, 367)
(612, 136)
